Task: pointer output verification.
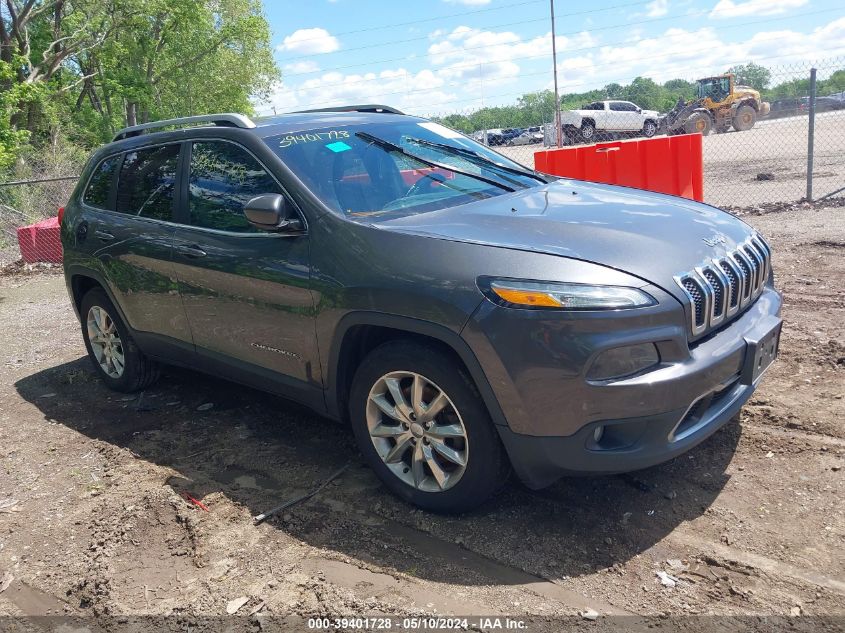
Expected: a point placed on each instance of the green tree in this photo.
(84, 67)
(680, 88)
(751, 74)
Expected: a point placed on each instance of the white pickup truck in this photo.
(609, 117)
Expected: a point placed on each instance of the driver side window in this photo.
(224, 177)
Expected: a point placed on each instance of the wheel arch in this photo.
(358, 333)
(749, 102)
(83, 281)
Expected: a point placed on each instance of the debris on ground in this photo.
(666, 580)
(589, 614)
(234, 605)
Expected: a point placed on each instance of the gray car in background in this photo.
(465, 315)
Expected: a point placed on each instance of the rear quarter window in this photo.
(147, 183)
(98, 192)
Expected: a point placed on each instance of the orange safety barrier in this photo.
(666, 164)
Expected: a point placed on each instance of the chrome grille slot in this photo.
(699, 302)
(718, 292)
(718, 289)
(745, 268)
(756, 263)
(734, 282)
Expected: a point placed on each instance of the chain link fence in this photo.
(757, 148)
(779, 141)
(30, 194)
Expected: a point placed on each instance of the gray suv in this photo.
(464, 314)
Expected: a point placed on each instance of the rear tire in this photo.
(417, 458)
(698, 122)
(745, 118)
(588, 131)
(113, 352)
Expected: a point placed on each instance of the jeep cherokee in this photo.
(466, 315)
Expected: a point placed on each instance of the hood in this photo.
(652, 236)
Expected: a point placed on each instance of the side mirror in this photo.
(271, 212)
(639, 109)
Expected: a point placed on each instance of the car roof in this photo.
(262, 127)
(301, 121)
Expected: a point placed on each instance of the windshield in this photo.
(389, 169)
(716, 88)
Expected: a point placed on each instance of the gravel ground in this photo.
(776, 150)
(95, 519)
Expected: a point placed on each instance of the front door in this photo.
(245, 291)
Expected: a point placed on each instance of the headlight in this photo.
(564, 296)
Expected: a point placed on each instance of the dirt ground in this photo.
(94, 519)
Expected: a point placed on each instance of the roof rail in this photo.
(226, 120)
(371, 107)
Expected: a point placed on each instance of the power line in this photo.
(435, 19)
(473, 64)
(495, 26)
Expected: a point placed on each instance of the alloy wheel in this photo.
(417, 431)
(105, 342)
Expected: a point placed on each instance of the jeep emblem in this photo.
(716, 239)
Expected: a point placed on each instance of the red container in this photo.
(666, 164)
(41, 242)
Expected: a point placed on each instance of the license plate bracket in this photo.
(761, 350)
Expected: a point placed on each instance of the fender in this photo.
(448, 337)
(80, 271)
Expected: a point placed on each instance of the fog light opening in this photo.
(598, 433)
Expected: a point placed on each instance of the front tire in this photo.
(698, 122)
(113, 352)
(423, 428)
(745, 118)
(649, 129)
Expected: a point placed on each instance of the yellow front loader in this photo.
(721, 104)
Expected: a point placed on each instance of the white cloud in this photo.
(730, 9)
(691, 54)
(309, 42)
(658, 8)
(397, 87)
(470, 3)
(489, 57)
(302, 68)
(466, 68)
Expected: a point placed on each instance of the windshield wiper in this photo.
(375, 140)
(477, 158)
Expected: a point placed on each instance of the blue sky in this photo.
(444, 56)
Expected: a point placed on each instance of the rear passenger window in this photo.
(147, 183)
(224, 177)
(99, 187)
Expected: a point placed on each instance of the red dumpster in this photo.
(41, 242)
(666, 164)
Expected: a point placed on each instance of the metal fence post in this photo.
(811, 135)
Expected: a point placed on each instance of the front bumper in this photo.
(553, 412)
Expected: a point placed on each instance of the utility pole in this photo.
(554, 64)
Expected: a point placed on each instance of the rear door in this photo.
(127, 229)
(246, 292)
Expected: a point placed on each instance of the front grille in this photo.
(720, 288)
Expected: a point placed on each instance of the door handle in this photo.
(193, 251)
(103, 236)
